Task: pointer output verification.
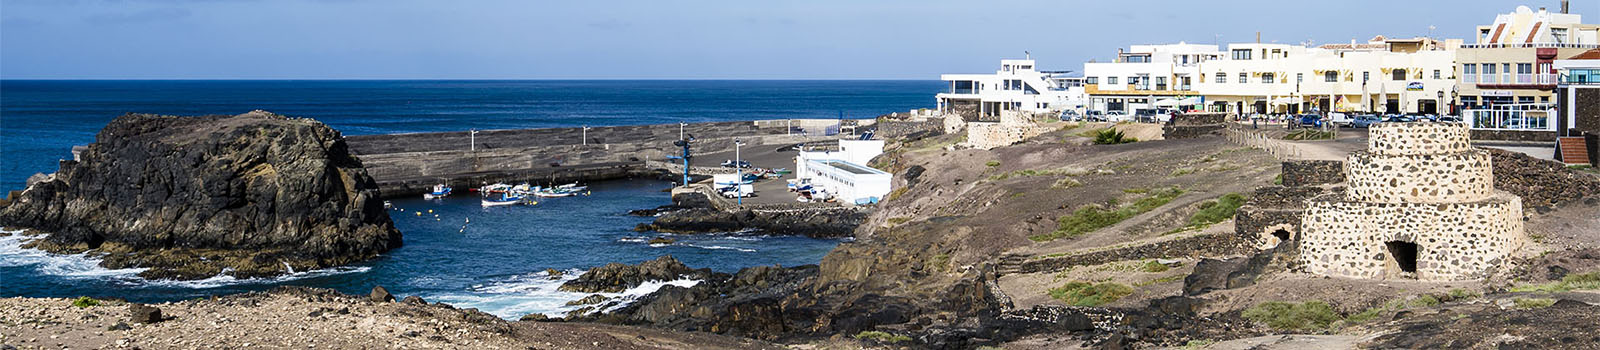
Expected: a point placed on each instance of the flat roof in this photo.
(850, 167)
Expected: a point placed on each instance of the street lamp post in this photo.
(738, 172)
(585, 135)
(680, 129)
(472, 140)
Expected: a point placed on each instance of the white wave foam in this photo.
(223, 279)
(84, 266)
(515, 296)
(718, 247)
(12, 254)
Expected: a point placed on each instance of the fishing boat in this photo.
(503, 199)
(498, 188)
(439, 191)
(552, 192)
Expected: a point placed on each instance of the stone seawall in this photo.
(407, 164)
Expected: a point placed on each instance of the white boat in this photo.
(493, 189)
(505, 199)
(439, 191)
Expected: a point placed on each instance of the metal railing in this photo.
(1530, 45)
(1520, 117)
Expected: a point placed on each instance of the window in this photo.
(1222, 78)
(1524, 99)
(1244, 77)
(1299, 77)
(1469, 100)
(1330, 77)
(1092, 80)
(1365, 76)
(1161, 83)
(1469, 73)
(1544, 99)
(1436, 74)
(1524, 68)
(1559, 34)
(1111, 80)
(1241, 54)
(1489, 75)
(1399, 74)
(1267, 78)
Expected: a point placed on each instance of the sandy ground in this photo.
(1148, 285)
(317, 320)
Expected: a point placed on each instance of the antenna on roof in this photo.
(1027, 55)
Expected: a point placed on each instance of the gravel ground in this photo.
(305, 318)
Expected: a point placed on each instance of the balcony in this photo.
(1512, 80)
(1531, 45)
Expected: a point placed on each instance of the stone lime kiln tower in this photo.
(1419, 203)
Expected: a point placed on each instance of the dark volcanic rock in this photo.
(816, 222)
(140, 313)
(616, 277)
(1213, 274)
(380, 294)
(187, 197)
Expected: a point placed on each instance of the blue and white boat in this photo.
(505, 199)
(439, 191)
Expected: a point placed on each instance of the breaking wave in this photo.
(85, 266)
(514, 296)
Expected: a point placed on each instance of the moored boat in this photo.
(439, 191)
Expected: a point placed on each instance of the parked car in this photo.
(1070, 115)
(1340, 119)
(1398, 118)
(1365, 120)
(1118, 116)
(730, 163)
(1094, 116)
(1310, 121)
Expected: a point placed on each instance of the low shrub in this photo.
(1112, 136)
(1214, 211)
(83, 302)
(1066, 182)
(1078, 293)
(882, 336)
(1580, 281)
(992, 163)
(1533, 303)
(1308, 316)
(1153, 266)
(1089, 218)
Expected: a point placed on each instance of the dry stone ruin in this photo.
(1418, 203)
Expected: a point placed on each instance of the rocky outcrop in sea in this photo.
(255, 195)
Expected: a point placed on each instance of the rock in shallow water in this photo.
(187, 197)
(616, 277)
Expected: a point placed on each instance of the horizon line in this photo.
(463, 79)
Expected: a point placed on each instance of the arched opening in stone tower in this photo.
(1404, 255)
(1283, 235)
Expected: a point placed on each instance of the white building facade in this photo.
(843, 173)
(1017, 87)
(1381, 76)
(1144, 75)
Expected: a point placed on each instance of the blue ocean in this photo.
(493, 259)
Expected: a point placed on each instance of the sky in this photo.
(654, 39)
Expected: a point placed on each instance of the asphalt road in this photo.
(765, 156)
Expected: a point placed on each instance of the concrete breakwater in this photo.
(408, 164)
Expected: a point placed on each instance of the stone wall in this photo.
(1454, 241)
(1420, 204)
(1506, 135)
(1274, 208)
(404, 164)
(1312, 172)
(1587, 113)
(1192, 125)
(889, 129)
(986, 135)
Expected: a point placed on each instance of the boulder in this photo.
(141, 313)
(381, 295)
(1213, 274)
(616, 277)
(591, 299)
(188, 197)
(414, 300)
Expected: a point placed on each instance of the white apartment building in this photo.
(1018, 86)
(1383, 75)
(1507, 75)
(1144, 75)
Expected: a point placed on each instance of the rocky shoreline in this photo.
(694, 214)
(255, 195)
